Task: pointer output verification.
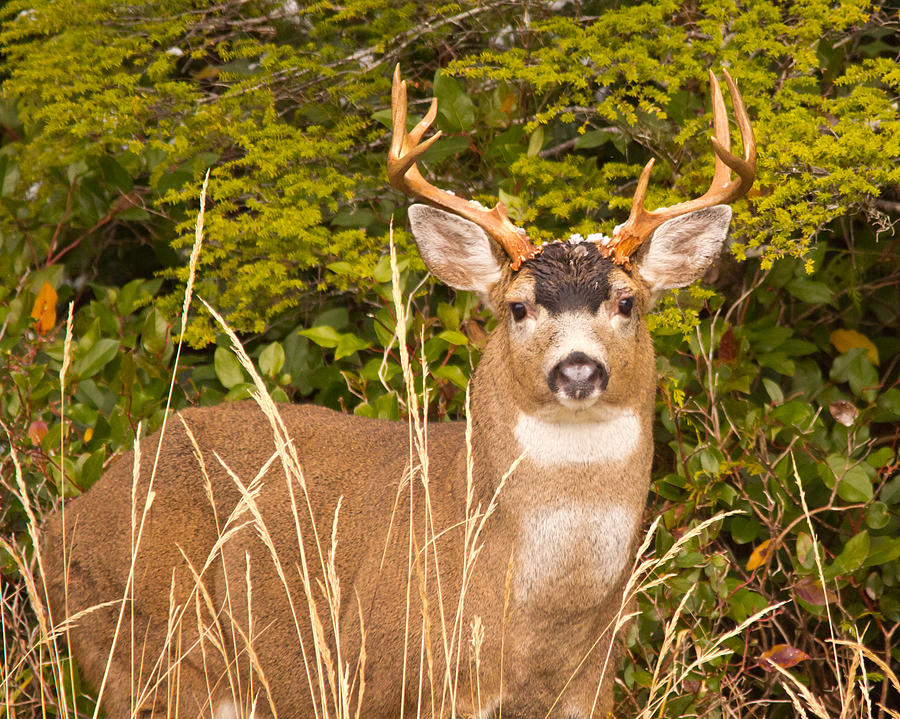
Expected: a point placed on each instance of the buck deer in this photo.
(232, 604)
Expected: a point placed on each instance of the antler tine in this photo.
(722, 190)
(407, 148)
(746, 167)
(721, 135)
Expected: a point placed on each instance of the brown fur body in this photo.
(566, 520)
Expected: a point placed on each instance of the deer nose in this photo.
(578, 376)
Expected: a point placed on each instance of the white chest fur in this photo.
(585, 545)
(611, 439)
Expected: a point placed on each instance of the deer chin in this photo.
(563, 409)
(578, 404)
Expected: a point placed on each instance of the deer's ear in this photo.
(457, 252)
(681, 249)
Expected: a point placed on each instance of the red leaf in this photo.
(728, 346)
(811, 591)
(784, 655)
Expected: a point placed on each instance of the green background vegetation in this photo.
(110, 115)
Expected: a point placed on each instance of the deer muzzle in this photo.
(578, 377)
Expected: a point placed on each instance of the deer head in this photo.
(572, 310)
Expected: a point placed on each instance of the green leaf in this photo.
(155, 332)
(446, 147)
(797, 348)
(536, 141)
(174, 181)
(773, 390)
(91, 468)
(810, 291)
(794, 413)
(851, 557)
(456, 112)
(228, 368)
(880, 457)
(890, 493)
(382, 271)
(271, 359)
(777, 361)
(448, 315)
(855, 485)
(387, 406)
(855, 368)
(805, 551)
(743, 529)
(115, 174)
(240, 391)
(594, 138)
(452, 373)
(323, 335)
(384, 117)
(348, 344)
(877, 515)
(352, 217)
(516, 206)
(883, 550)
(341, 268)
(889, 405)
(453, 337)
(97, 357)
(745, 603)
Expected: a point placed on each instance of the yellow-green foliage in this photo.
(560, 108)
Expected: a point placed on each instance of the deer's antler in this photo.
(722, 190)
(407, 148)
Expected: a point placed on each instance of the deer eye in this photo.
(518, 310)
(626, 304)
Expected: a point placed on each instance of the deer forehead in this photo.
(568, 277)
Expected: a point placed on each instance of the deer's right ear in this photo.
(458, 252)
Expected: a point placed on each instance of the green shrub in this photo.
(287, 104)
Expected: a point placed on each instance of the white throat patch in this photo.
(557, 443)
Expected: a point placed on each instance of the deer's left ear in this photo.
(681, 249)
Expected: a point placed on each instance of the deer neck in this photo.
(573, 504)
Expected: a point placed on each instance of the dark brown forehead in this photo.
(569, 276)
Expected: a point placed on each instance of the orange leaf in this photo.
(783, 655)
(88, 434)
(760, 555)
(37, 430)
(844, 340)
(44, 310)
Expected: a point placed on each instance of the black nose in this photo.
(578, 376)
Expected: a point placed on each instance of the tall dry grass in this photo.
(337, 680)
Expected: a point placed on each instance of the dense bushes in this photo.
(778, 388)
